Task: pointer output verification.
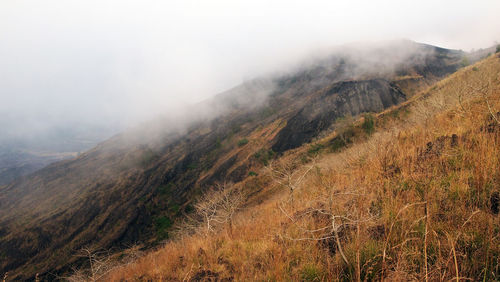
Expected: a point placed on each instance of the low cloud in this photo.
(111, 64)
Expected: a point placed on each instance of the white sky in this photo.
(106, 60)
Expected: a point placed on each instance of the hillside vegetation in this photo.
(411, 193)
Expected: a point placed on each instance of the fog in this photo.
(98, 67)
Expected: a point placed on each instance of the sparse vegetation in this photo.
(368, 124)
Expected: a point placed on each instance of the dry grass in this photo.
(415, 201)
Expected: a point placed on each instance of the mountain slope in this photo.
(414, 196)
(134, 185)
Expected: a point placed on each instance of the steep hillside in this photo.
(412, 195)
(134, 186)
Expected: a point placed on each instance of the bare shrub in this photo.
(99, 265)
(216, 208)
(286, 174)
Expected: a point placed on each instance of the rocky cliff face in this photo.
(130, 189)
(336, 101)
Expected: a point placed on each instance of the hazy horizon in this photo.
(110, 64)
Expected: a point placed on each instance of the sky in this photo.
(116, 62)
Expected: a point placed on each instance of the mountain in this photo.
(408, 194)
(133, 186)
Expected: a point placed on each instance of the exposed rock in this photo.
(338, 100)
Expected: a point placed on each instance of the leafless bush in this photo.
(99, 265)
(479, 85)
(216, 208)
(131, 254)
(484, 90)
(287, 175)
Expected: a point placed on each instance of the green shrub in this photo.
(242, 142)
(369, 124)
(252, 173)
(337, 144)
(304, 158)
(311, 272)
(175, 208)
(165, 189)
(189, 208)
(370, 258)
(314, 149)
(192, 166)
(264, 156)
(498, 49)
(162, 224)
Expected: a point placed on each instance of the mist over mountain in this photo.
(116, 193)
(74, 74)
(113, 64)
(120, 120)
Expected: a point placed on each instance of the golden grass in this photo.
(413, 202)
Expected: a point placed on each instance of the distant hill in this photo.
(23, 151)
(16, 163)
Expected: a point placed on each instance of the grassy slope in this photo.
(410, 201)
